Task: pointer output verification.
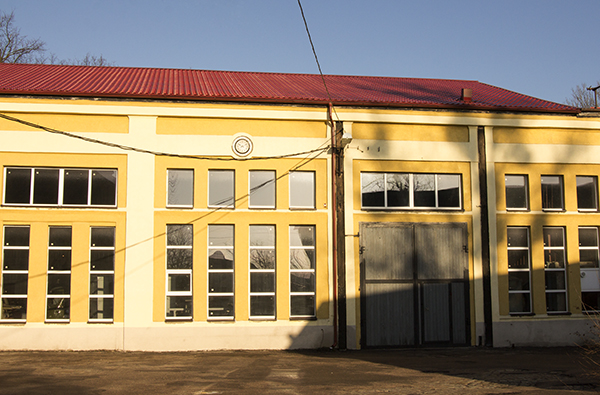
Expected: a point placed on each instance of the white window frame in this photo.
(595, 178)
(266, 184)
(4, 271)
(169, 189)
(169, 272)
(58, 272)
(252, 271)
(314, 189)
(521, 270)
(593, 272)
(526, 186)
(562, 270)
(209, 270)
(208, 189)
(411, 205)
(310, 271)
(102, 297)
(562, 192)
(61, 179)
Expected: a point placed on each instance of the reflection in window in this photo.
(587, 193)
(516, 192)
(262, 189)
(15, 271)
(555, 270)
(262, 271)
(58, 298)
(179, 272)
(60, 187)
(221, 188)
(302, 271)
(302, 189)
(405, 191)
(180, 188)
(589, 270)
(102, 274)
(519, 270)
(220, 272)
(552, 192)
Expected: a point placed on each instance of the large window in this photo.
(262, 189)
(60, 187)
(589, 270)
(180, 188)
(587, 193)
(411, 191)
(15, 269)
(102, 274)
(262, 271)
(302, 271)
(552, 193)
(221, 188)
(555, 270)
(179, 272)
(58, 298)
(302, 189)
(220, 272)
(519, 270)
(516, 189)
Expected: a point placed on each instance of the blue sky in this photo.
(541, 48)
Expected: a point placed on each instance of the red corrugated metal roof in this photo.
(138, 83)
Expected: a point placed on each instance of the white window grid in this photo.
(562, 191)
(595, 180)
(563, 270)
(61, 178)
(211, 294)
(168, 189)
(50, 272)
(309, 271)
(261, 248)
(256, 188)
(5, 271)
(595, 248)
(526, 186)
(527, 270)
(411, 192)
(291, 180)
(100, 298)
(221, 203)
(169, 273)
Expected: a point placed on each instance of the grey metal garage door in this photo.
(414, 284)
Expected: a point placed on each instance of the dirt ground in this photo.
(410, 371)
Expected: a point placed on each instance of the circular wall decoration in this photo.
(242, 146)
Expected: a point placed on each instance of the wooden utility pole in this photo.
(340, 233)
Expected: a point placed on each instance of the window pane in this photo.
(554, 259)
(220, 282)
(553, 237)
(58, 308)
(556, 302)
(60, 236)
(179, 258)
(102, 260)
(59, 284)
(518, 259)
(373, 189)
(59, 259)
(516, 191)
(517, 237)
(590, 301)
(262, 189)
(262, 282)
(16, 236)
(588, 258)
(262, 236)
(588, 237)
(220, 306)
(448, 186)
(179, 283)
(302, 259)
(262, 259)
(302, 236)
(587, 193)
(220, 259)
(76, 186)
(14, 309)
(180, 189)
(552, 192)
(220, 235)
(518, 281)
(398, 190)
(101, 308)
(424, 190)
(519, 303)
(555, 279)
(45, 186)
(18, 186)
(14, 284)
(102, 284)
(221, 187)
(302, 282)
(16, 260)
(179, 235)
(302, 305)
(302, 189)
(262, 306)
(104, 187)
(179, 306)
(103, 237)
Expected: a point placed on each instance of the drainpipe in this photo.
(485, 237)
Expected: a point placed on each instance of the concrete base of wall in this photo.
(166, 337)
(545, 332)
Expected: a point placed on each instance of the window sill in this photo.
(303, 318)
(551, 313)
(521, 314)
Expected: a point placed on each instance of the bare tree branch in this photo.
(14, 47)
(581, 97)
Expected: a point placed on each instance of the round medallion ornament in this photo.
(242, 146)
